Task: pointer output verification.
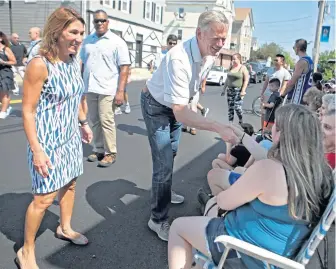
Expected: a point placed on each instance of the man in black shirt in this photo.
(20, 53)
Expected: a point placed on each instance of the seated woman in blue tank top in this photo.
(273, 205)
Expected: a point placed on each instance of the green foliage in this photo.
(328, 69)
(270, 50)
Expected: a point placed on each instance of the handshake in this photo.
(230, 133)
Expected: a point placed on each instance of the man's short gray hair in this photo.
(208, 17)
(330, 101)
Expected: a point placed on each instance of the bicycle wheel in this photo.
(256, 106)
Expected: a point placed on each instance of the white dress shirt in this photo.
(180, 74)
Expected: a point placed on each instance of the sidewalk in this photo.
(136, 75)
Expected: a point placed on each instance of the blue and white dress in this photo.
(57, 126)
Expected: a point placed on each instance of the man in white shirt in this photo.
(35, 42)
(279, 72)
(106, 62)
(164, 103)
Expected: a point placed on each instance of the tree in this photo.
(328, 69)
(270, 50)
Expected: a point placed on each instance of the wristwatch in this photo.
(83, 122)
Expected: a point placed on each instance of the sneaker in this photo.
(205, 112)
(95, 157)
(117, 111)
(184, 130)
(193, 131)
(176, 198)
(3, 115)
(108, 160)
(9, 110)
(16, 91)
(161, 229)
(203, 198)
(127, 108)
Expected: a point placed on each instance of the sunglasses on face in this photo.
(96, 21)
(172, 43)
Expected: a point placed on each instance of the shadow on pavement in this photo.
(122, 240)
(13, 208)
(131, 129)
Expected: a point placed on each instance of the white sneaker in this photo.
(127, 108)
(161, 229)
(16, 91)
(9, 110)
(3, 115)
(117, 111)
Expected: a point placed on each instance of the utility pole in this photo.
(316, 51)
(10, 16)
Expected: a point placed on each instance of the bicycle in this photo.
(256, 106)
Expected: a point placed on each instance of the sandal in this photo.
(80, 240)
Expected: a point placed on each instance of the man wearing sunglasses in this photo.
(164, 104)
(171, 42)
(106, 63)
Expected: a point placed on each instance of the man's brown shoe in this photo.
(108, 160)
(193, 131)
(95, 156)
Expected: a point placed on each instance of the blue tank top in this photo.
(304, 82)
(266, 226)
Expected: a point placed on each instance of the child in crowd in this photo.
(236, 156)
(313, 98)
(271, 104)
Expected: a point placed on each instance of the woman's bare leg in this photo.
(66, 198)
(5, 101)
(185, 233)
(34, 216)
(218, 180)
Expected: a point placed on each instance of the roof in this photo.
(242, 13)
(226, 52)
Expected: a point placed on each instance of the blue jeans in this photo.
(164, 134)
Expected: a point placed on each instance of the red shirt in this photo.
(331, 157)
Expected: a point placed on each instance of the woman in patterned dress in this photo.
(52, 109)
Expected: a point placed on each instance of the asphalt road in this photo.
(112, 204)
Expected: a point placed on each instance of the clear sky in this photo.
(267, 15)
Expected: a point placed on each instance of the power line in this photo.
(297, 19)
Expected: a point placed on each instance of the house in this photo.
(181, 17)
(18, 16)
(138, 22)
(242, 30)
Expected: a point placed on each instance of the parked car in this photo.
(264, 73)
(217, 75)
(256, 75)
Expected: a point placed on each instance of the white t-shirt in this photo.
(282, 74)
(180, 74)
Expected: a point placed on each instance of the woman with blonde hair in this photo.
(52, 111)
(275, 209)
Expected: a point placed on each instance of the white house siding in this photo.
(27, 14)
(141, 35)
(193, 10)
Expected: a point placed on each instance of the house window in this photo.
(153, 49)
(179, 34)
(125, 5)
(129, 45)
(181, 13)
(158, 14)
(108, 3)
(148, 10)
